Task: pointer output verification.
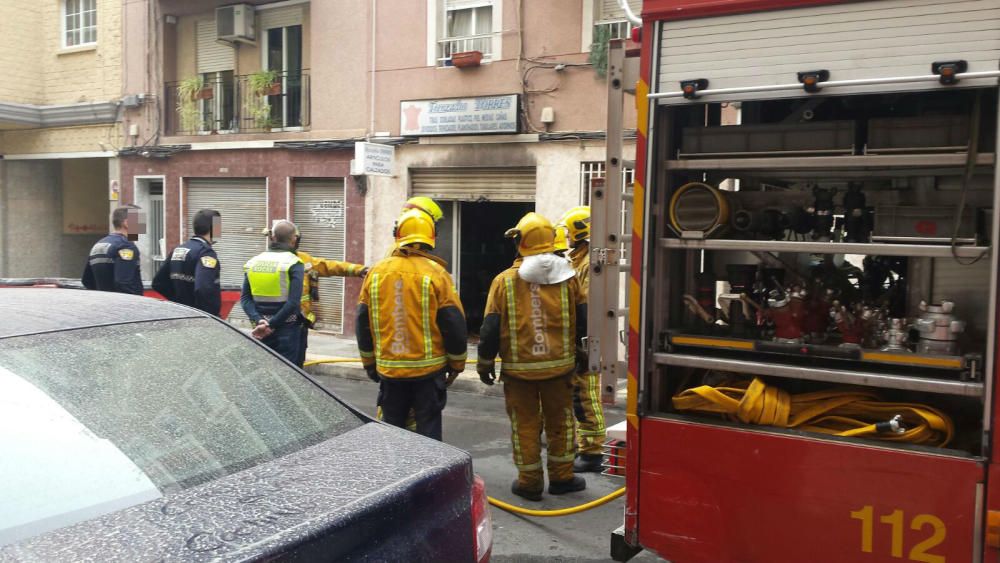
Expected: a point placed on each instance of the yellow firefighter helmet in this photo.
(425, 204)
(577, 221)
(414, 226)
(562, 238)
(535, 235)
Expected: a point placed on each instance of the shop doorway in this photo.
(470, 237)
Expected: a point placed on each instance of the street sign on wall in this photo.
(459, 116)
(373, 159)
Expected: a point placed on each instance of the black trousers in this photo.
(427, 397)
(303, 344)
(285, 341)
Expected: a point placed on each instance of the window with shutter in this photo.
(215, 62)
(466, 25)
(611, 17)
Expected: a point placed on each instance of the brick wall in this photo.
(37, 70)
(20, 57)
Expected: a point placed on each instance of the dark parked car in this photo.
(133, 429)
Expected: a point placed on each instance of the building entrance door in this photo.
(484, 252)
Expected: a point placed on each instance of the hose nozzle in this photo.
(893, 426)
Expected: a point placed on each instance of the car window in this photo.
(102, 418)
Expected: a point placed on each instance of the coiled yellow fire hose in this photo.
(496, 502)
(839, 412)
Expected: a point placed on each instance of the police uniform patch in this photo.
(126, 254)
(209, 262)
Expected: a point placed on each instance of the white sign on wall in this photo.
(459, 116)
(373, 159)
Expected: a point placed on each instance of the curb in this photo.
(467, 382)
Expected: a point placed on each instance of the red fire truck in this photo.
(812, 289)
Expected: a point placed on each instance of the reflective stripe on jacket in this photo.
(535, 328)
(410, 320)
(268, 274)
(320, 268)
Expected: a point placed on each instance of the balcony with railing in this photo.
(450, 46)
(222, 103)
(613, 29)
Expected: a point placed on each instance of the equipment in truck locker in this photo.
(813, 327)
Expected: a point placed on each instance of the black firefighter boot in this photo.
(588, 463)
(577, 483)
(528, 494)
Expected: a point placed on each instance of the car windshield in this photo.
(98, 419)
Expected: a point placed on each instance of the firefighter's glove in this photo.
(450, 375)
(372, 374)
(487, 371)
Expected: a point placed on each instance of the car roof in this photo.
(31, 310)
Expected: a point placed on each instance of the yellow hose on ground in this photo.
(495, 502)
(560, 512)
(839, 411)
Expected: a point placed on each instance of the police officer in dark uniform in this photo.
(191, 276)
(113, 264)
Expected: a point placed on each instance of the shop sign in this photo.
(373, 159)
(459, 116)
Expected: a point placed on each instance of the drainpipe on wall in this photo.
(371, 127)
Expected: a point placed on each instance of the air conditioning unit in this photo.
(235, 23)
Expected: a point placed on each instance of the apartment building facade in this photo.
(255, 108)
(519, 128)
(60, 130)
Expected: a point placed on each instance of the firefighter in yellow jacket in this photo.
(590, 431)
(411, 327)
(433, 210)
(535, 319)
(319, 268)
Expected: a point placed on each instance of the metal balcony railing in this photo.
(617, 29)
(227, 104)
(451, 45)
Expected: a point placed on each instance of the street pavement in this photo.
(478, 424)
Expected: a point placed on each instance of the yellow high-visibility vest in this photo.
(269, 277)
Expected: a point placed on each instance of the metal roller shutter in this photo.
(243, 205)
(474, 184)
(320, 215)
(212, 56)
(280, 17)
(854, 40)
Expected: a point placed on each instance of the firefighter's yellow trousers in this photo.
(590, 429)
(526, 402)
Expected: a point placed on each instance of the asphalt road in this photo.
(479, 425)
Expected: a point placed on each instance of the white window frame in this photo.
(264, 42)
(215, 104)
(590, 169)
(436, 20)
(79, 31)
(592, 19)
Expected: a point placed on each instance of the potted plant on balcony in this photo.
(466, 59)
(188, 91)
(262, 84)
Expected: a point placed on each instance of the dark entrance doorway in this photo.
(470, 238)
(484, 251)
